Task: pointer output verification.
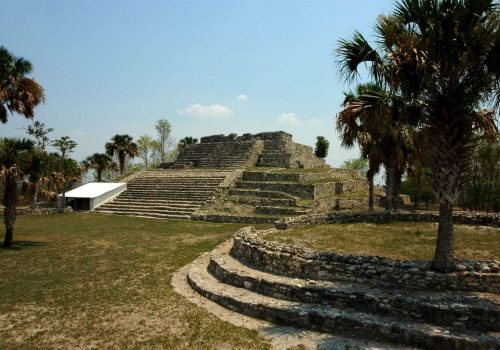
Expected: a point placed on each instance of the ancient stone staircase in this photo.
(169, 193)
(273, 192)
(422, 318)
(236, 154)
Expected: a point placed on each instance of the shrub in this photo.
(322, 145)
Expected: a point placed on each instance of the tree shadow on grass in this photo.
(20, 245)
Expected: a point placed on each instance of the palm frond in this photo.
(351, 53)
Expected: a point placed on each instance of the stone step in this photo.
(145, 214)
(461, 310)
(149, 208)
(165, 195)
(280, 210)
(259, 193)
(182, 191)
(168, 187)
(177, 181)
(335, 320)
(253, 200)
(159, 202)
(305, 191)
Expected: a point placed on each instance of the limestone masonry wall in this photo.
(278, 258)
(278, 149)
(459, 217)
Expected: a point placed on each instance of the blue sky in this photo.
(209, 67)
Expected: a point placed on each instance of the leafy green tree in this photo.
(99, 162)
(357, 164)
(18, 93)
(482, 181)
(165, 140)
(40, 132)
(14, 160)
(188, 140)
(444, 56)
(146, 148)
(40, 164)
(122, 146)
(322, 145)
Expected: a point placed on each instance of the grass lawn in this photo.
(398, 240)
(90, 281)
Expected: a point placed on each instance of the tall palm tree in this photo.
(14, 160)
(122, 146)
(18, 93)
(99, 162)
(376, 120)
(65, 145)
(444, 54)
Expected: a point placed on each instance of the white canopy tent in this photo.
(93, 194)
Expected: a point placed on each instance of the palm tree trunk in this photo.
(99, 175)
(450, 150)
(389, 185)
(35, 194)
(443, 257)
(396, 181)
(369, 176)
(121, 160)
(9, 212)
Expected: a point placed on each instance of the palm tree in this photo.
(42, 166)
(18, 93)
(122, 146)
(99, 162)
(14, 160)
(443, 54)
(375, 119)
(65, 145)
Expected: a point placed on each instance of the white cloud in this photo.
(79, 133)
(315, 121)
(289, 118)
(242, 97)
(206, 112)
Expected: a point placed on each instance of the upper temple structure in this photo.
(267, 149)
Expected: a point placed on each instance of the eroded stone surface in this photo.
(474, 276)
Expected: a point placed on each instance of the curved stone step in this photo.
(462, 310)
(335, 320)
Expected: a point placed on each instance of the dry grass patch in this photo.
(398, 240)
(92, 281)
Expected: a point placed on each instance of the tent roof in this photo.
(93, 189)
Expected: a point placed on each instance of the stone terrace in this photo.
(371, 298)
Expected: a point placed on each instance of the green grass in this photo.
(91, 281)
(398, 240)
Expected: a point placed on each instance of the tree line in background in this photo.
(25, 164)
